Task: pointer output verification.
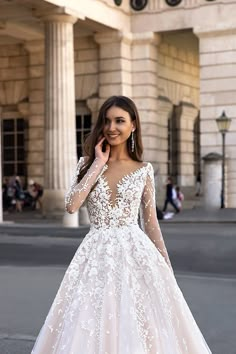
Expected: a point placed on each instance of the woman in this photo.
(119, 294)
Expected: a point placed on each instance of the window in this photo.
(83, 126)
(173, 145)
(197, 155)
(13, 149)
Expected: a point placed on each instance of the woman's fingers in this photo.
(101, 140)
(100, 152)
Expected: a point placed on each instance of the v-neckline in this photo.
(113, 203)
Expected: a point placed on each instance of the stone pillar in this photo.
(60, 138)
(92, 103)
(145, 92)
(34, 110)
(217, 93)
(114, 64)
(165, 107)
(186, 115)
(212, 180)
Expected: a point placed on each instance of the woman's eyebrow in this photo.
(119, 117)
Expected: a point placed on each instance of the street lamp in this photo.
(223, 123)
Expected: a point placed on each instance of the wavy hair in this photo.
(93, 138)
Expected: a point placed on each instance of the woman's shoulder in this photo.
(139, 165)
(148, 165)
(143, 164)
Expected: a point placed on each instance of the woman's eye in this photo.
(120, 121)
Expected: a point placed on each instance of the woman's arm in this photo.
(78, 192)
(149, 222)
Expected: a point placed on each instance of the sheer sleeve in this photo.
(78, 192)
(148, 217)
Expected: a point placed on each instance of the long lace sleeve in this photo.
(148, 218)
(78, 192)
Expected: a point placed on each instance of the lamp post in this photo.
(223, 123)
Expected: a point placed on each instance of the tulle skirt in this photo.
(118, 296)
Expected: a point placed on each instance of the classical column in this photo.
(114, 64)
(186, 114)
(217, 93)
(34, 110)
(165, 108)
(60, 130)
(93, 105)
(145, 91)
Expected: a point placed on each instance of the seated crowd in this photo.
(15, 196)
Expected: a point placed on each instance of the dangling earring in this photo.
(132, 141)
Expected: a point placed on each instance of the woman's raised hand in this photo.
(102, 155)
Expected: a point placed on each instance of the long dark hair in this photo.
(89, 146)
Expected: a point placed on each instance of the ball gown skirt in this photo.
(119, 296)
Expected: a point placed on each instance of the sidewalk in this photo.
(29, 217)
(195, 215)
(201, 215)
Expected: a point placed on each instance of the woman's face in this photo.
(118, 126)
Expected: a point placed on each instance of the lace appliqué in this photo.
(149, 222)
(78, 192)
(119, 295)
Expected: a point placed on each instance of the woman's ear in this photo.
(133, 126)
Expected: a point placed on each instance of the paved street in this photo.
(198, 247)
(32, 267)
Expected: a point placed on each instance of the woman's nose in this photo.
(112, 126)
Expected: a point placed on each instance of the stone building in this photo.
(59, 60)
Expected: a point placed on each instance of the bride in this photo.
(119, 294)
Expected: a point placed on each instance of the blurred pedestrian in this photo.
(179, 198)
(170, 193)
(198, 184)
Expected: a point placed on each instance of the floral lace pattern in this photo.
(104, 213)
(119, 294)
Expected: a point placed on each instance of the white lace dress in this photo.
(119, 294)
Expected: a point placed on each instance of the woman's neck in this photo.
(119, 153)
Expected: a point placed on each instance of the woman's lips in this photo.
(112, 136)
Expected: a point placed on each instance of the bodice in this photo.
(134, 193)
(104, 213)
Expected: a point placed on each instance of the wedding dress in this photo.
(119, 294)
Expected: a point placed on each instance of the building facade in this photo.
(59, 60)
